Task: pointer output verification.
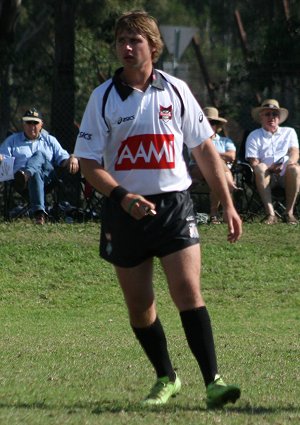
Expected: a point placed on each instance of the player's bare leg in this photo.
(137, 287)
(183, 269)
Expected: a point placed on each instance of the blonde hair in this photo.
(140, 22)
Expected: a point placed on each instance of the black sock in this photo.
(198, 331)
(154, 343)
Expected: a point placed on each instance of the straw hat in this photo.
(270, 104)
(213, 114)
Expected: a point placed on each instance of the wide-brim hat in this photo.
(270, 104)
(32, 115)
(213, 114)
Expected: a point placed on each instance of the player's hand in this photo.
(234, 225)
(137, 206)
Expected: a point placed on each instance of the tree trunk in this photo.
(63, 99)
(4, 96)
(63, 90)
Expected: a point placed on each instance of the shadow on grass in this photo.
(245, 410)
(109, 406)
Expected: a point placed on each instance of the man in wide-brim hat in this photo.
(273, 105)
(273, 153)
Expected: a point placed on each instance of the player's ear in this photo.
(153, 51)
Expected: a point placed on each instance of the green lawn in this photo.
(68, 356)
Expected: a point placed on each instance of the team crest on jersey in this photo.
(165, 113)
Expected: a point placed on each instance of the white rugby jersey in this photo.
(139, 135)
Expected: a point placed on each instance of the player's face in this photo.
(133, 50)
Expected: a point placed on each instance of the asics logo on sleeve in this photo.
(86, 136)
(146, 151)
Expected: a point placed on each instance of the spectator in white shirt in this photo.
(273, 153)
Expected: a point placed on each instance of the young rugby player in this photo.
(131, 149)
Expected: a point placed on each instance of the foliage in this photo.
(273, 62)
(271, 68)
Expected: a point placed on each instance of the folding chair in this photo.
(200, 194)
(92, 201)
(16, 205)
(248, 201)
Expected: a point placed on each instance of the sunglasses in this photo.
(271, 114)
(32, 122)
(214, 122)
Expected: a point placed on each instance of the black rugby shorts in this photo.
(127, 242)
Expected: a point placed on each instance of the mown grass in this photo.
(68, 356)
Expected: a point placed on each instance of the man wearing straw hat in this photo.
(273, 153)
(227, 151)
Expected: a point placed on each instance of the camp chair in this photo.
(200, 194)
(16, 204)
(92, 201)
(248, 201)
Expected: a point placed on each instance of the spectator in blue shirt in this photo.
(36, 154)
(227, 151)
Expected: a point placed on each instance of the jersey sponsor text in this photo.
(146, 151)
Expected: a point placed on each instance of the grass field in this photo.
(68, 356)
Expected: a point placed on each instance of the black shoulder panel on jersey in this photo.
(177, 92)
(104, 100)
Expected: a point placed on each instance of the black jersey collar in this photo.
(124, 90)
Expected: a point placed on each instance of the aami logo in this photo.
(146, 151)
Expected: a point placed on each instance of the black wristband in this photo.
(117, 194)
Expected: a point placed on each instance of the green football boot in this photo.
(218, 393)
(162, 390)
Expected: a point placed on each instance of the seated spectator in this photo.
(227, 151)
(273, 153)
(36, 154)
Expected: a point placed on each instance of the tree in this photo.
(9, 12)
(39, 46)
(63, 98)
